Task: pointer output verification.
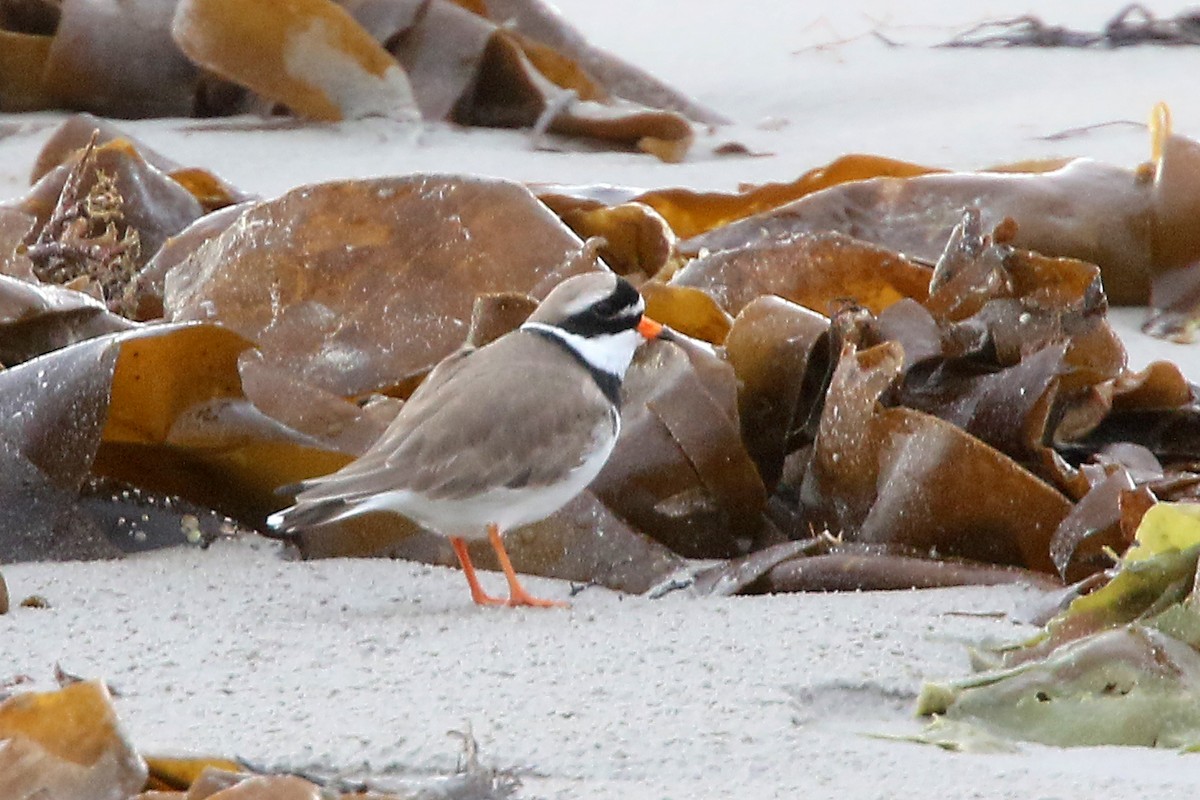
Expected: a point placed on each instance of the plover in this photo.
(500, 436)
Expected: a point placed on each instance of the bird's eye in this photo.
(606, 307)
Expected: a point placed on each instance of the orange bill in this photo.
(649, 328)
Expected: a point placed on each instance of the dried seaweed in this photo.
(78, 130)
(1134, 24)
(81, 240)
(1026, 30)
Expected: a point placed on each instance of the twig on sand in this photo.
(471, 780)
(875, 33)
(1083, 130)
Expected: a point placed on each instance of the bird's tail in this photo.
(310, 513)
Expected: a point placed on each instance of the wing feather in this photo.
(471, 426)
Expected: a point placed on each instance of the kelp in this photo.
(520, 65)
(151, 279)
(441, 74)
(1085, 210)
(516, 65)
(522, 83)
(1103, 225)
(637, 241)
(690, 212)
(66, 744)
(361, 286)
(159, 408)
(328, 418)
(542, 23)
(827, 564)
(40, 319)
(99, 55)
(1173, 283)
(811, 270)
(179, 774)
(1133, 224)
(1118, 666)
(23, 59)
(1001, 357)
(679, 470)
(197, 436)
(685, 310)
(263, 423)
(309, 55)
(815, 382)
(1095, 528)
(897, 475)
(779, 353)
(1001, 407)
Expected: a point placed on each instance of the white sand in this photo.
(365, 665)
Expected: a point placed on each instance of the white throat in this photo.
(607, 352)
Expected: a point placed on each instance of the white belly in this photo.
(507, 508)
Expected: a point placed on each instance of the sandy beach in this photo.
(363, 667)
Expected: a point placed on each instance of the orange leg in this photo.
(464, 558)
(517, 596)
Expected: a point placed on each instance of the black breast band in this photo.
(608, 383)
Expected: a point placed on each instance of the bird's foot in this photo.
(524, 598)
(482, 598)
(517, 596)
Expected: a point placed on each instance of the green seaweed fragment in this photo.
(1119, 666)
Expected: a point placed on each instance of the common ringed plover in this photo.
(500, 436)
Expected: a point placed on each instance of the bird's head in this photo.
(600, 316)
